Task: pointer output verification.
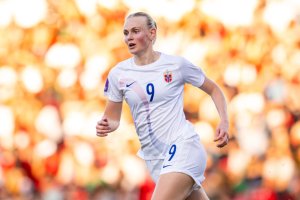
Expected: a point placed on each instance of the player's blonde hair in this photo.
(149, 20)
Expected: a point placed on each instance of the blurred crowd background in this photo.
(54, 59)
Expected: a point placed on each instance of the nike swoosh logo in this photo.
(166, 166)
(128, 85)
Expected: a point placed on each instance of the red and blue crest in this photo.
(168, 76)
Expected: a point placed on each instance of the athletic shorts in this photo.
(187, 156)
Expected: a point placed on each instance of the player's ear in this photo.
(153, 35)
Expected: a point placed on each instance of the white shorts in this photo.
(187, 156)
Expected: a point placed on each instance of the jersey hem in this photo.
(113, 99)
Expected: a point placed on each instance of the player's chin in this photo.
(133, 51)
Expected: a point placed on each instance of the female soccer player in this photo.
(152, 84)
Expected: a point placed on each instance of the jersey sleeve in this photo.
(191, 74)
(111, 88)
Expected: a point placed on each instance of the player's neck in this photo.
(146, 58)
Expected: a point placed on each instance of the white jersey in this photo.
(154, 93)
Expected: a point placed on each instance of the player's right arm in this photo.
(110, 120)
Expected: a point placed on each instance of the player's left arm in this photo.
(212, 89)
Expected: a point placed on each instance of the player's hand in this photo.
(103, 127)
(222, 136)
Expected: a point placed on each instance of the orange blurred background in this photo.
(54, 59)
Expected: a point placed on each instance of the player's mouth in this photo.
(131, 45)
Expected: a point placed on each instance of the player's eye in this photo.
(136, 31)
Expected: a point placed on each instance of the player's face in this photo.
(137, 36)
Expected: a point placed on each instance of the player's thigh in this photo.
(198, 195)
(173, 186)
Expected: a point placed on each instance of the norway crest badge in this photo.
(168, 76)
